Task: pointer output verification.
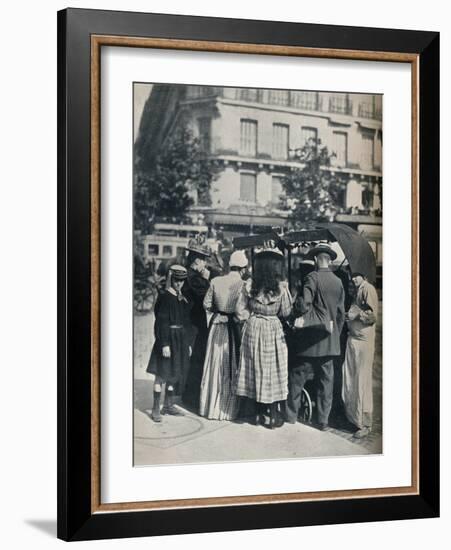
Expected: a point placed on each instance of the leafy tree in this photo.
(166, 183)
(312, 192)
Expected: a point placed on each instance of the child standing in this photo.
(169, 360)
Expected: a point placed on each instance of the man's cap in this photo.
(178, 272)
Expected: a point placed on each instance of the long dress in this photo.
(263, 367)
(217, 397)
(172, 323)
(195, 289)
(357, 389)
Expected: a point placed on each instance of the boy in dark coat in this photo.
(169, 360)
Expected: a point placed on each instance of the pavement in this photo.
(194, 439)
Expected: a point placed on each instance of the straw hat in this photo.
(321, 248)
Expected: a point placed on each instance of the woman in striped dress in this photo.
(263, 366)
(217, 397)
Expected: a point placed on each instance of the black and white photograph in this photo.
(257, 274)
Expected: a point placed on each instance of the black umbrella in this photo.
(356, 249)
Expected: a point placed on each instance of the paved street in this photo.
(193, 439)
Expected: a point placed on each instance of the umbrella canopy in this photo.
(354, 246)
(356, 249)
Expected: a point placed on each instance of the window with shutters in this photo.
(248, 187)
(367, 150)
(340, 148)
(205, 134)
(248, 137)
(280, 134)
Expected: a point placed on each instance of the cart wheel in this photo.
(144, 301)
(306, 407)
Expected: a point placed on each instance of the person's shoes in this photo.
(260, 415)
(279, 421)
(280, 414)
(168, 407)
(155, 415)
(273, 414)
(363, 432)
(323, 426)
(171, 410)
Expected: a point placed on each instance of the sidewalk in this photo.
(193, 439)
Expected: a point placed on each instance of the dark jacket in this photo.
(171, 328)
(322, 289)
(195, 289)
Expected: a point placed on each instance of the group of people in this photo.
(261, 343)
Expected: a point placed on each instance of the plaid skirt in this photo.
(263, 368)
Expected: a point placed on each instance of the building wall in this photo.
(226, 190)
(354, 121)
(226, 129)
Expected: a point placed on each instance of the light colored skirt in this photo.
(217, 398)
(263, 368)
(357, 390)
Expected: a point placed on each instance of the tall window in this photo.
(341, 148)
(276, 189)
(248, 187)
(280, 141)
(205, 134)
(248, 137)
(378, 151)
(308, 133)
(367, 150)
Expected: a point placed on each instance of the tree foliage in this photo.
(167, 182)
(314, 192)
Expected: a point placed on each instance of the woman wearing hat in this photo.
(169, 360)
(263, 366)
(197, 285)
(217, 397)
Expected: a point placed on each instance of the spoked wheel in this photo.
(144, 301)
(306, 407)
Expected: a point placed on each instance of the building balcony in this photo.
(369, 110)
(341, 105)
(293, 99)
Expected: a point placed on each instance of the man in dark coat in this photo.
(316, 343)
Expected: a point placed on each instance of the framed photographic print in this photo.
(248, 269)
